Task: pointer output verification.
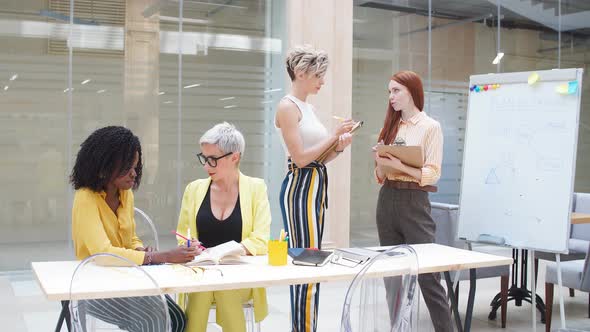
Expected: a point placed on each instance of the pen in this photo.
(339, 118)
(188, 235)
(186, 239)
(282, 235)
(180, 236)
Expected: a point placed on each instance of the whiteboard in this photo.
(519, 159)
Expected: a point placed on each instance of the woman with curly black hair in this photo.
(108, 166)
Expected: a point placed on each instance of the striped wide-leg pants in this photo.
(136, 314)
(304, 200)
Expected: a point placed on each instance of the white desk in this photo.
(54, 277)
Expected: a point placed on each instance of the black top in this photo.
(213, 231)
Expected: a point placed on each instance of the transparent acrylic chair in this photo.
(374, 303)
(137, 313)
(251, 324)
(146, 230)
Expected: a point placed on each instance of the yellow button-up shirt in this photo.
(97, 229)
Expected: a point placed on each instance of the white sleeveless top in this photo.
(312, 131)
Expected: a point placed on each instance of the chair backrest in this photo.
(585, 282)
(582, 231)
(382, 304)
(117, 312)
(146, 230)
(446, 218)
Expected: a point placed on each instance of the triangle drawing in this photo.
(492, 178)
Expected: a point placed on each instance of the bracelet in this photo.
(338, 151)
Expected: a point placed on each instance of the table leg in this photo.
(470, 300)
(64, 315)
(454, 303)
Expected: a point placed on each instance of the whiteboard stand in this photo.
(559, 291)
(533, 290)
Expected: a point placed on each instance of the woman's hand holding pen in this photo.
(197, 244)
(178, 255)
(344, 126)
(181, 254)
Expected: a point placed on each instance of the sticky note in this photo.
(533, 78)
(562, 89)
(572, 87)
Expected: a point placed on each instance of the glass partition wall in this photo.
(446, 41)
(168, 70)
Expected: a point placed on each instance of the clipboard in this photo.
(409, 155)
(354, 128)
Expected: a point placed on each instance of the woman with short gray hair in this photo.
(226, 137)
(227, 206)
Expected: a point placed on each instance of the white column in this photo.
(141, 77)
(327, 24)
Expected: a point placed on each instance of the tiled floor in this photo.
(23, 307)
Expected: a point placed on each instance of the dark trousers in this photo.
(403, 217)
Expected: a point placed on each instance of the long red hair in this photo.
(413, 83)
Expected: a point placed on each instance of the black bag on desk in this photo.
(309, 257)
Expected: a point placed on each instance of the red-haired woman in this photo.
(403, 207)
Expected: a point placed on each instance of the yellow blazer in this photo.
(255, 223)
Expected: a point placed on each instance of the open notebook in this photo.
(226, 253)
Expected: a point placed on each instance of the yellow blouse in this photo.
(96, 228)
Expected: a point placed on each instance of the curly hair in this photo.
(106, 152)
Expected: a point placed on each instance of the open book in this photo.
(225, 253)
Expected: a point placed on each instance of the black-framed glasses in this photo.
(212, 161)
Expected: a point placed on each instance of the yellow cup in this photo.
(277, 252)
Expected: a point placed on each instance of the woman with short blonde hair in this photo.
(304, 189)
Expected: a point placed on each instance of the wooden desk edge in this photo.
(580, 218)
(280, 282)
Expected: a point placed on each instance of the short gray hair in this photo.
(226, 137)
(307, 59)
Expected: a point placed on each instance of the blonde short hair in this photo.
(306, 59)
(226, 136)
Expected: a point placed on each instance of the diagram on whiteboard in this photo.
(504, 170)
(492, 177)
